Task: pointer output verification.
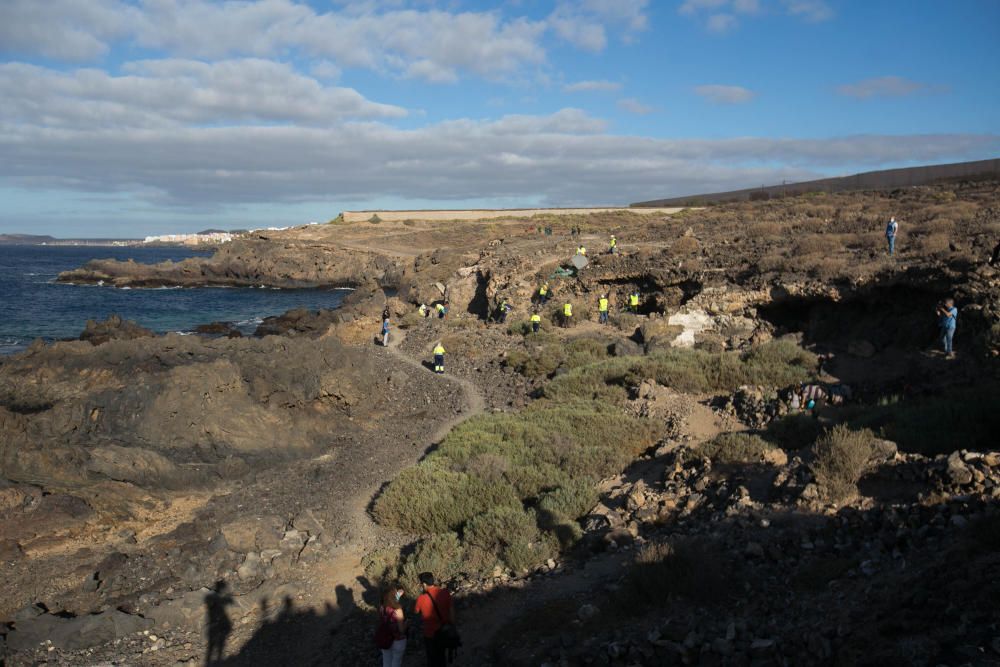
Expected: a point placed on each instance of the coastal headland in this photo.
(651, 489)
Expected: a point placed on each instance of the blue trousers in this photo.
(604, 317)
(439, 363)
(892, 244)
(947, 334)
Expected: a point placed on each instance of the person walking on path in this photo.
(439, 358)
(567, 314)
(947, 319)
(438, 613)
(602, 307)
(536, 322)
(390, 636)
(890, 234)
(385, 331)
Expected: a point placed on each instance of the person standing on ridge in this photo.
(947, 319)
(633, 302)
(890, 234)
(438, 613)
(602, 307)
(567, 314)
(439, 358)
(536, 322)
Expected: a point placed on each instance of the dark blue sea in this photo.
(33, 305)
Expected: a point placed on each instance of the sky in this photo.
(122, 118)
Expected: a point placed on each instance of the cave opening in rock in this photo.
(895, 316)
(480, 304)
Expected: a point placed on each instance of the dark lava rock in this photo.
(113, 328)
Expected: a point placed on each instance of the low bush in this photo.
(842, 455)
(541, 360)
(442, 554)
(507, 536)
(793, 431)
(736, 448)
(775, 364)
(684, 569)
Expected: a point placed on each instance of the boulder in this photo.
(113, 328)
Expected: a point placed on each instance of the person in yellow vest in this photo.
(614, 245)
(602, 308)
(581, 251)
(442, 310)
(567, 314)
(544, 292)
(536, 322)
(439, 358)
(633, 302)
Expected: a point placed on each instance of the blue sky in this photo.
(133, 117)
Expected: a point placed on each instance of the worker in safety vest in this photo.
(536, 322)
(442, 310)
(581, 251)
(544, 292)
(633, 302)
(567, 313)
(439, 358)
(505, 308)
(602, 308)
(613, 245)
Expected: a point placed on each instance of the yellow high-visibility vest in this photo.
(543, 290)
(603, 305)
(568, 310)
(581, 251)
(633, 299)
(439, 349)
(614, 241)
(536, 318)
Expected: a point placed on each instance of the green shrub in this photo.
(508, 536)
(542, 360)
(841, 457)
(571, 500)
(794, 431)
(775, 364)
(442, 554)
(736, 448)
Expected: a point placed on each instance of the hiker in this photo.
(438, 613)
(602, 307)
(581, 251)
(536, 322)
(424, 310)
(439, 358)
(947, 316)
(385, 331)
(613, 245)
(567, 314)
(504, 309)
(390, 635)
(633, 302)
(890, 234)
(544, 292)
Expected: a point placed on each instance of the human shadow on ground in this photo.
(217, 620)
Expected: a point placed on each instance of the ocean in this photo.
(33, 305)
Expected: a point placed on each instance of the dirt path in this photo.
(474, 403)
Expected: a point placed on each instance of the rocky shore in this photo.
(138, 471)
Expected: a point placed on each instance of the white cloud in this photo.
(884, 86)
(598, 86)
(72, 30)
(720, 16)
(721, 23)
(584, 23)
(632, 105)
(156, 93)
(813, 11)
(718, 94)
(564, 158)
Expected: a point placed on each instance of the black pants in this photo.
(435, 652)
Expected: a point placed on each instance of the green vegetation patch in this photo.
(542, 360)
(736, 448)
(841, 458)
(775, 364)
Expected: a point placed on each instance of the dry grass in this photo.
(841, 458)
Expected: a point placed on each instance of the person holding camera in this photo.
(947, 315)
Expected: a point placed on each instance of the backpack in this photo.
(384, 636)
